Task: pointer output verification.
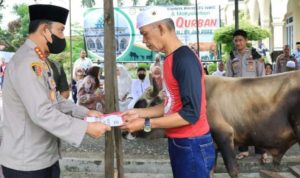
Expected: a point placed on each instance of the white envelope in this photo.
(111, 120)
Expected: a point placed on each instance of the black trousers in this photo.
(74, 91)
(50, 172)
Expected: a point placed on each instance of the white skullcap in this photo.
(291, 64)
(152, 15)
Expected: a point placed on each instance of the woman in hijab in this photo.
(156, 73)
(90, 92)
(124, 86)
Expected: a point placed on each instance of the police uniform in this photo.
(248, 64)
(34, 113)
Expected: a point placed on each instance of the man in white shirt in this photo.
(139, 85)
(220, 71)
(82, 62)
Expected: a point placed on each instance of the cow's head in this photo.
(151, 97)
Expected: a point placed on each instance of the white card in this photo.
(111, 120)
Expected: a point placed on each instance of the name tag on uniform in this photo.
(235, 65)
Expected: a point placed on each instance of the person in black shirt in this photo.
(60, 78)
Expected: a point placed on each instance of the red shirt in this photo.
(184, 92)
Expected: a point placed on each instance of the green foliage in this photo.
(212, 68)
(87, 3)
(1, 7)
(144, 65)
(22, 12)
(224, 34)
(17, 31)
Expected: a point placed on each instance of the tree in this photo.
(17, 31)
(88, 3)
(224, 34)
(1, 7)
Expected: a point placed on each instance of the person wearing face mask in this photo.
(35, 116)
(138, 86)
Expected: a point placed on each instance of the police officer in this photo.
(60, 78)
(34, 114)
(244, 62)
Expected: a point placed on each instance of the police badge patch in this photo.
(37, 68)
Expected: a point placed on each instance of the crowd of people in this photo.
(88, 84)
(285, 62)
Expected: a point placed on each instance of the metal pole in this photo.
(197, 27)
(236, 13)
(71, 54)
(220, 44)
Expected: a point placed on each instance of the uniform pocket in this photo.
(235, 67)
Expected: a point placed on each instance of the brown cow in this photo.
(263, 112)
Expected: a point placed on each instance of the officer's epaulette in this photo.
(40, 53)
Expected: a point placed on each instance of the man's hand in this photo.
(134, 125)
(130, 115)
(97, 129)
(93, 113)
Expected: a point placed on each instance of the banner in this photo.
(129, 46)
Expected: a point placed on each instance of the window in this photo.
(123, 44)
(289, 31)
(91, 44)
(99, 45)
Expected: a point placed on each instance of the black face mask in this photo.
(142, 76)
(57, 45)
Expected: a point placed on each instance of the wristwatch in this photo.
(147, 125)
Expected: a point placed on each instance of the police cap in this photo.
(48, 12)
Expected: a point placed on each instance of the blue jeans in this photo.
(192, 157)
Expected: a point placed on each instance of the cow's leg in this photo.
(224, 137)
(277, 155)
(276, 161)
